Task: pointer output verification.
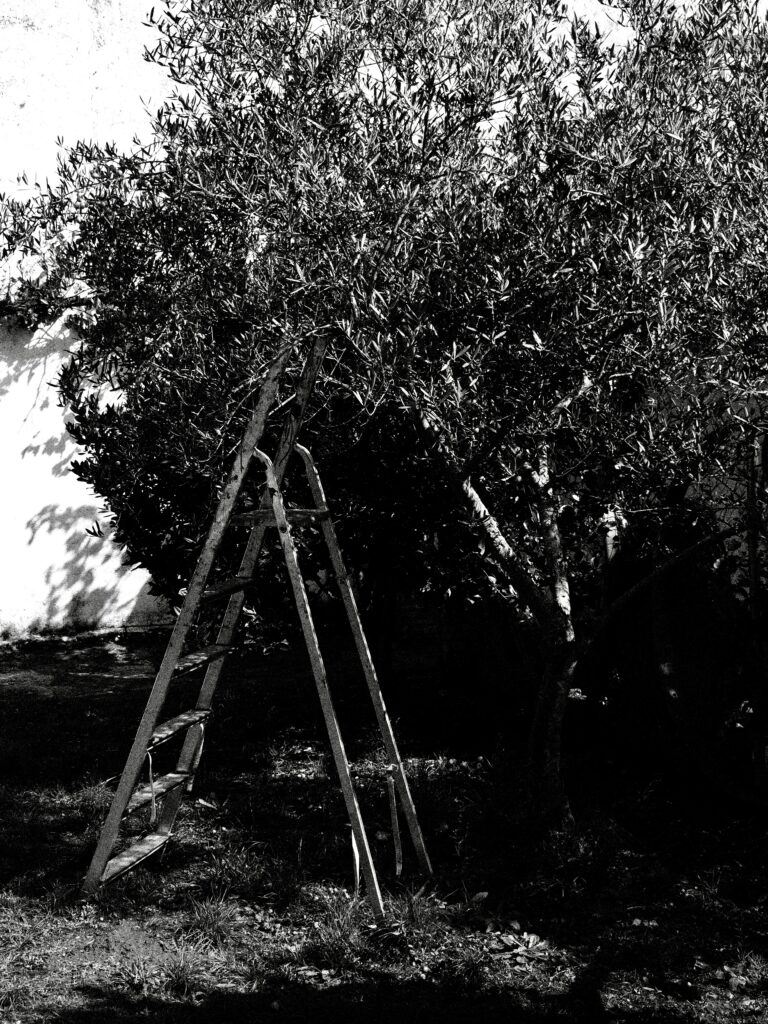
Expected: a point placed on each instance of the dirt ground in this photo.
(251, 912)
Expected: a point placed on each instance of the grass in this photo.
(337, 939)
(139, 975)
(212, 919)
(251, 914)
(188, 969)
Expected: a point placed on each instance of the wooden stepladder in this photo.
(164, 793)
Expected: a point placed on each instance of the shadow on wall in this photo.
(55, 575)
(86, 586)
(58, 448)
(29, 366)
(24, 353)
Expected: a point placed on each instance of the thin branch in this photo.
(535, 597)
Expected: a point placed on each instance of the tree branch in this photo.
(538, 600)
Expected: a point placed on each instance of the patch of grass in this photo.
(252, 874)
(465, 969)
(247, 899)
(337, 938)
(419, 911)
(15, 999)
(240, 870)
(186, 970)
(139, 975)
(24, 925)
(212, 919)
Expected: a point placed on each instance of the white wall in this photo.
(70, 68)
(54, 575)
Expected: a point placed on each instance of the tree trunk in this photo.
(759, 702)
(549, 601)
(549, 800)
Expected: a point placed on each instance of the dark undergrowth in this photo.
(652, 910)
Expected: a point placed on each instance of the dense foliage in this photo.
(536, 258)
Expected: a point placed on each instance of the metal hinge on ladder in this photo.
(168, 789)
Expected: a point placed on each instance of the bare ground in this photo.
(643, 915)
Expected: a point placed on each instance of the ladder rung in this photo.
(252, 516)
(175, 725)
(163, 784)
(306, 515)
(202, 657)
(227, 587)
(133, 855)
(293, 515)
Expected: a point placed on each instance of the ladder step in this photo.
(202, 657)
(133, 855)
(295, 516)
(306, 515)
(163, 784)
(227, 587)
(166, 730)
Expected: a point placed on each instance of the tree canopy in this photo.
(536, 260)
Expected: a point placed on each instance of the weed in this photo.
(268, 968)
(253, 974)
(62, 900)
(15, 999)
(465, 969)
(185, 971)
(93, 801)
(212, 919)
(336, 939)
(419, 911)
(709, 883)
(138, 888)
(242, 870)
(139, 976)
(753, 968)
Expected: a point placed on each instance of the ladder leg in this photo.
(187, 757)
(364, 653)
(318, 670)
(234, 610)
(183, 624)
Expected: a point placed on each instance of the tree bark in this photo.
(759, 702)
(550, 604)
(559, 664)
(549, 799)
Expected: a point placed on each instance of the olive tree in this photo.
(533, 260)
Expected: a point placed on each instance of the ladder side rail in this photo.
(250, 558)
(366, 660)
(184, 622)
(373, 891)
(309, 374)
(228, 627)
(188, 756)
